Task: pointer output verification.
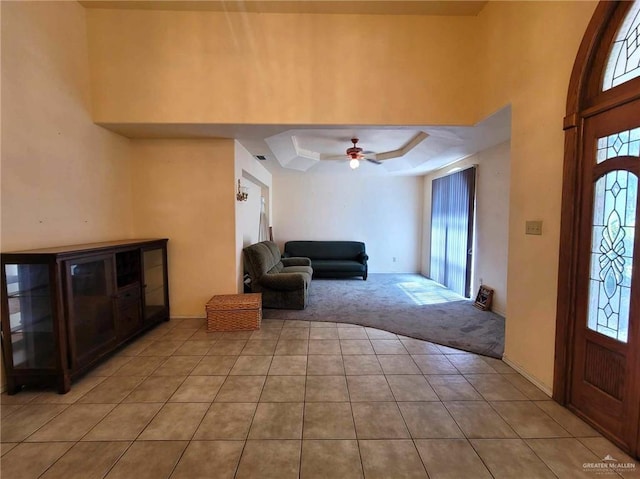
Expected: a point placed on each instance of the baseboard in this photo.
(528, 376)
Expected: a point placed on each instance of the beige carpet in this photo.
(406, 304)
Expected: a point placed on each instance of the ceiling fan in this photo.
(355, 154)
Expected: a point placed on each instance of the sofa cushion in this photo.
(262, 258)
(296, 261)
(320, 265)
(298, 269)
(258, 260)
(277, 268)
(339, 250)
(274, 250)
(286, 281)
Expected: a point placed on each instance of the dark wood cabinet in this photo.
(65, 308)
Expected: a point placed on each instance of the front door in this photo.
(605, 378)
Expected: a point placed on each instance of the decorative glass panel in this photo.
(30, 316)
(91, 303)
(154, 299)
(614, 222)
(624, 143)
(623, 63)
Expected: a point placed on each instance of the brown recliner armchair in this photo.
(283, 282)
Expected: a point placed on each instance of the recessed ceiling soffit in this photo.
(303, 149)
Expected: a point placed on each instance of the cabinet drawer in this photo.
(129, 319)
(128, 295)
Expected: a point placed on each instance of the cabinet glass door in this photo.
(30, 317)
(155, 301)
(91, 301)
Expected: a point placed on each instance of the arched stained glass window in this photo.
(614, 221)
(623, 62)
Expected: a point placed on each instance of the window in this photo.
(623, 63)
(614, 220)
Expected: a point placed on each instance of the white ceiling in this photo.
(312, 149)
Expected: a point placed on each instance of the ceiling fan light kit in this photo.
(355, 154)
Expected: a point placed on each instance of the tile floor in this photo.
(295, 399)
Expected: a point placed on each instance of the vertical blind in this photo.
(452, 206)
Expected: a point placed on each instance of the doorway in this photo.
(597, 368)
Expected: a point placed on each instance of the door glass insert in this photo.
(154, 297)
(92, 304)
(614, 221)
(30, 315)
(624, 143)
(623, 63)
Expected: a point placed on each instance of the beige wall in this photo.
(529, 50)
(184, 190)
(492, 221)
(385, 212)
(282, 68)
(64, 179)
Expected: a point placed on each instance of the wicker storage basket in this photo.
(234, 312)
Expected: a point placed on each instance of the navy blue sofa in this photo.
(331, 259)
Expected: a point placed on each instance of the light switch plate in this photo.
(534, 228)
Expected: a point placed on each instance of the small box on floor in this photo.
(234, 312)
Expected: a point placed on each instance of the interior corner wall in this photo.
(491, 221)
(64, 179)
(385, 212)
(527, 54)
(185, 191)
(257, 179)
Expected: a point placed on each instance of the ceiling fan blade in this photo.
(375, 162)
